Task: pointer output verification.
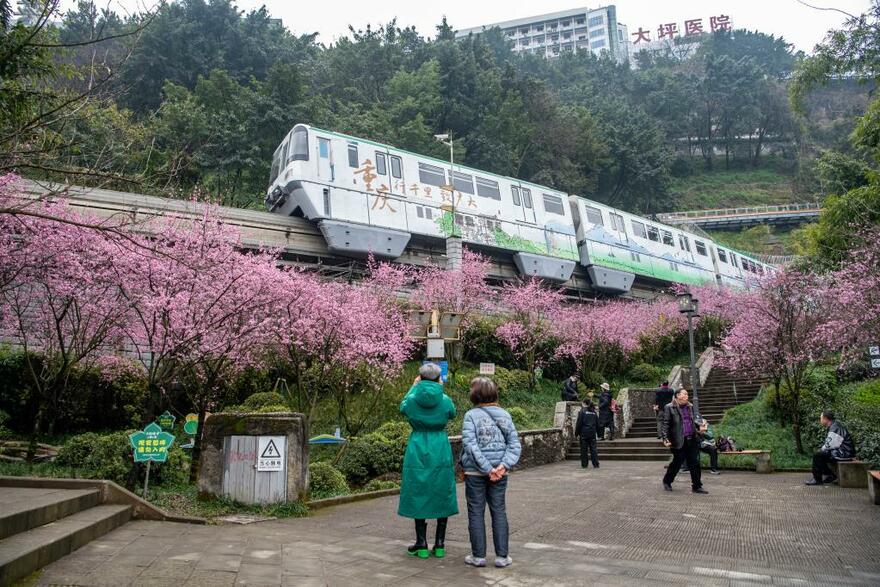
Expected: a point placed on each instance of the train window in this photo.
(352, 155)
(617, 222)
(396, 170)
(515, 193)
(667, 238)
(488, 189)
(733, 259)
(300, 144)
(463, 182)
(431, 174)
(635, 256)
(553, 204)
(429, 214)
(469, 220)
(381, 163)
(701, 248)
(654, 234)
(276, 165)
(722, 256)
(594, 215)
(673, 266)
(459, 219)
(419, 212)
(527, 197)
(323, 148)
(638, 228)
(284, 153)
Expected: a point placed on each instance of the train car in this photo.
(370, 198)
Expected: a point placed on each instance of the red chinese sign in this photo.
(692, 27)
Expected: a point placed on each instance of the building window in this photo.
(620, 35)
(579, 21)
(638, 229)
(596, 20)
(597, 44)
(653, 234)
(701, 248)
(597, 33)
(352, 155)
(553, 204)
(565, 23)
(431, 174)
(594, 215)
(463, 182)
(488, 189)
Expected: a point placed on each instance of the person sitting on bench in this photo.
(838, 446)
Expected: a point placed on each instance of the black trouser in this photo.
(659, 416)
(690, 452)
(822, 465)
(713, 457)
(588, 451)
(610, 426)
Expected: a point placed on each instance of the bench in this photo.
(852, 473)
(874, 486)
(763, 459)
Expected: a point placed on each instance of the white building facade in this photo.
(570, 31)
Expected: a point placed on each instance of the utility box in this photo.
(255, 458)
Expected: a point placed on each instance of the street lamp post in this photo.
(453, 241)
(690, 306)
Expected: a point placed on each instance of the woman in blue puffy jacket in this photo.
(490, 449)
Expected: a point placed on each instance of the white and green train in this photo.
(368, 197)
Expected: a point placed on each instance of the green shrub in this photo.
(108, 456)
(375, 454)
(264, 399)
(646, 372)
(4, 431)
(325, 480)
(868, 393)
(519, 416)
(509, 380)
(380, 484)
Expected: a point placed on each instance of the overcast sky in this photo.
(790, 19)
(799, 24)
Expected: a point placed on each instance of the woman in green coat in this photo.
(427, 485)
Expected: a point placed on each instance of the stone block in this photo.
(219, 426)
(874, 486)
(852, 474)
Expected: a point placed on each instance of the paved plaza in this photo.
(610, 526)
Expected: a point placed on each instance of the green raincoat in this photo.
(427, 485)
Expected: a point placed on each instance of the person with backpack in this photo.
(606, 412)
(490, 448)
(585, 429)
(427, 483)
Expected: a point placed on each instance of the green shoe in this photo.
(419, 552)
(439, 552)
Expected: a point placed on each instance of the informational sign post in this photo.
(444, 369)
(166, 420)
(150, 444)
(874, 354)
(270, 453)
(487, 368)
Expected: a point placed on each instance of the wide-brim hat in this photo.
(605, 386)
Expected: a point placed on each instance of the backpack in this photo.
(614, 407)
(726, 444)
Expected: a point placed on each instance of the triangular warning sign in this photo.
(271, 451)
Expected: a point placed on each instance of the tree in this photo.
(780, 336)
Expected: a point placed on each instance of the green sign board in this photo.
(191, 426)
(166, 420)
(151, 444)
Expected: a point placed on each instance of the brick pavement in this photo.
(609, 526)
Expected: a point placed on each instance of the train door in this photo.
(526, 203)
(395, 169)
(326, 171)
(714, 256)
(619, 227)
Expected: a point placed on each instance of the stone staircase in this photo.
(721, 391)
(41, 525)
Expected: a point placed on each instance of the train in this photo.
(371, 198)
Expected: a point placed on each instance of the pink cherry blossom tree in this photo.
(779, 335)
(529, 308)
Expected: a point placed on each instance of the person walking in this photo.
(490, 448)
(606, 415)
(680, 433)
(585, 429)
(427, 484)
(570, 389)
(838, 446)
(662, 396)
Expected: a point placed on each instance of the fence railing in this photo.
(691, 215)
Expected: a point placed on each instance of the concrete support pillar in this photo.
(453, 253)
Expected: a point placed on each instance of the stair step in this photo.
(625, 457)
(31, 508)
(24, 553)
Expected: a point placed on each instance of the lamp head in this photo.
(442, 137)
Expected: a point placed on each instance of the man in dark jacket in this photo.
(662, 396)
(606, 416)
(570, 389)
(838, 446)
(681, 434)
(585, 429)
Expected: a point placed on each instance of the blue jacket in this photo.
(488, 439)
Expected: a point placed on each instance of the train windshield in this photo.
(300, 150)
